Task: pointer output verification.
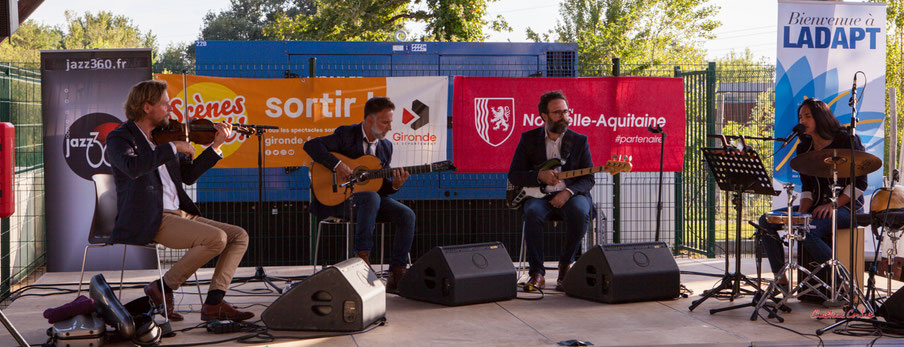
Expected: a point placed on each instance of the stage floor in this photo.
(555, 318)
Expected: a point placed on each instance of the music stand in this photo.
(739, 171)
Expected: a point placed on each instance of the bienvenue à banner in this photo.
(821, 45)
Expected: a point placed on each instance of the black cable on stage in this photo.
(260, 334)
(527, 288)
(21, 292)
(765, 319)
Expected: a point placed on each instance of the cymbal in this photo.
(819, 163)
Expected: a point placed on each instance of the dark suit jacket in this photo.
(139, 190)
(531, 153)
(347, 140)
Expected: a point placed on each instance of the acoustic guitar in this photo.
(367, 175)
(516, 195)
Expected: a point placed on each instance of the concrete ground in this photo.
(555, 318)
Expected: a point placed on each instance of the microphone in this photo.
(656, 130)
(853, 91)
(796, 131)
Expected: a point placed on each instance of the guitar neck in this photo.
(581, 172)
(387, 172)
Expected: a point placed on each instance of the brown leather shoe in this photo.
(536, 281)
(223, 311)
(395, 276)
(560, 280)
(152, 290)
(364, 255)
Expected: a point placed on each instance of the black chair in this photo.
(101, 233)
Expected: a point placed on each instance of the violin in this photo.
(200, 131)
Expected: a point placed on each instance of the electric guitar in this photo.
(367, 175)
(515, 195)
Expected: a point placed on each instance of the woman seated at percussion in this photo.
(822, 131)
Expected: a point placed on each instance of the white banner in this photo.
(418, 132)
(821, 45)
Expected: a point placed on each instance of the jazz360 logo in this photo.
(85, 144)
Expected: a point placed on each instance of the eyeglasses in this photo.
(561, 113)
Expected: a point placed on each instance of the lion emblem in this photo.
(500, 118)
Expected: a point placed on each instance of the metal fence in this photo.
(22, 237)
(718, 99)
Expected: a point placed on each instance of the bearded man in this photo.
(569, 200)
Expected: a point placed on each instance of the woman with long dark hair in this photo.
(822, 131)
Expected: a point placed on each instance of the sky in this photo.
(745, 24)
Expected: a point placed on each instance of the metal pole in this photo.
(893, 126)
(679, 198)
(616, 180)
(312, 67)
(12, 330)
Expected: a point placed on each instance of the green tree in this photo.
(246, 19)
(642, 33)
(373, 20)
(459, 20)
(104, 30)
(894, 68)
(176, 58)
(26, 43)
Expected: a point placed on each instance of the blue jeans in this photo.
(370, 207)
(813, 243)
(575, 213)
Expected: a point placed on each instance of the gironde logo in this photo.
(423, 115)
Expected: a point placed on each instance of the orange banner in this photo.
(302, 108)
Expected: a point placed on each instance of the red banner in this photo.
(490, 113)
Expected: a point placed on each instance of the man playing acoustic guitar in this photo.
(569, 198)
(354, 141)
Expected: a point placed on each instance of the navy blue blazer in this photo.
(347, 140)
(531, 153)
(139, 190)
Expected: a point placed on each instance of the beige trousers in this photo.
(204, 239)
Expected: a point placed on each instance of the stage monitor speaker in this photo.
(893, 308)
(344, 297)
(625, 272)
(461, 275)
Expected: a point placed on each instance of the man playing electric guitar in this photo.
(571, 201)
(353, 141)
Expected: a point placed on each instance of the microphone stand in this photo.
(259, 274)
(852, 293)
(658, 129)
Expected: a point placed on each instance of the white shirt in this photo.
(372, 145)
(170, 197)
(554, 150)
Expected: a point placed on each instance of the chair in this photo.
(101, 232)
(332, 220)
(555, 219)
